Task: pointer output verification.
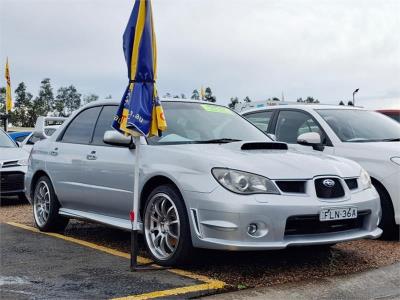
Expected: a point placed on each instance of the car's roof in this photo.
(302, 107)
(114, 102)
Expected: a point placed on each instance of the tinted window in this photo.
(103, 124)
(291, 124)
(360, 126)
(260, 119)
(80, 130)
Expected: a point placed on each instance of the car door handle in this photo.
(91, 156)
(54, 152)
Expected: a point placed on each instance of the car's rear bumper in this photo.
(220, 220)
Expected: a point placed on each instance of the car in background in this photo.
(13, 166)
(19, 136)
(392, 113)
(364, 136)
(212, 180)
(42, 131)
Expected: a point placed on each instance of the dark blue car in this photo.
(19, 136)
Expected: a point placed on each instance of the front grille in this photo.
(327, 192)
(11, 181)
(310, 224)
(351, 183)
(298, 187)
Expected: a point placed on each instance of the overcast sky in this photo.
(255, 48)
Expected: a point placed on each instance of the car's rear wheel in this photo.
(166, 227)
(46, 206)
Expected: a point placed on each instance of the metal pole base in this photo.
(135, 267)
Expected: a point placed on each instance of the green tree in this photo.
(234, 102)
(2, 99)
(167, 95)
(67, 100)
(90, 98)
(195, 95)
(247, 99)
(209, 96)
(44, 103)
(341, 103)
(350, 103)
(183, 96)
(21, 116)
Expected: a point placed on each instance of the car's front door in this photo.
(108, 171)
(66, 158)
(290, 123)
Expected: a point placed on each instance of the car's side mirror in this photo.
(272, 136)
(115, 138)
(312, 139)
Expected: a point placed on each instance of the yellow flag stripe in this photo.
(138, 36)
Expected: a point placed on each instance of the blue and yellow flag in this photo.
(9, 103)
(140, 111)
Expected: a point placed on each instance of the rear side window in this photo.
(104, 124)
(80, 130)
(260, 119)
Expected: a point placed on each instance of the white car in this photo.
(367, 137)
(42, 131)
(13, 166)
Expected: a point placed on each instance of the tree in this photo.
(234, 102)
(300, 100)
(176, 97)
(275, 99)
(90, 98)
(350, 103)
(109, 97)
(44, 103)
(167, 95)
(195, 95)
(183, 96)
(247, 99)
(67, 100)
(308, 100)
(341, 103)
(209, 96)
(21, 116)
(2, 99)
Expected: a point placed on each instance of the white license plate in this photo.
(338, 213)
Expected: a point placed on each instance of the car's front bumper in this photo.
(220, 220)
(12, 181)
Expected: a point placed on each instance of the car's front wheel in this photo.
(166, 227)
(46, 206)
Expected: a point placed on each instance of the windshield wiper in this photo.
(218, 141)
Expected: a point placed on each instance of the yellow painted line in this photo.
(141, 260)
(209, 284)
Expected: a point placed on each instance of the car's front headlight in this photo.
(22, 162)
(396, 160)
(365, 180)
(244, 183)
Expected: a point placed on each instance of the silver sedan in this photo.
(213, 180)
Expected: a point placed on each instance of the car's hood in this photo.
(8, 154)
(383, 150)
(274, 164)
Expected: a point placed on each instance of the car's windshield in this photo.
(360, 126)
(5, 141)
(190, 123)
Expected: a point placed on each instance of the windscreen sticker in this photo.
(217, 109)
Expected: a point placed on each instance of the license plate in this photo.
(330, 214)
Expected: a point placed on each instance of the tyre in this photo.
(387, 224)
(46, 206)
(166, 227)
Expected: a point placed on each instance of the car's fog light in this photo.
(252, 229)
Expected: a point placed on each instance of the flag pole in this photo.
(135, 212)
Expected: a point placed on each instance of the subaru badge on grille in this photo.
(328, 183)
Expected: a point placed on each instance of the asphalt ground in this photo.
(41, 266)
(239, 270)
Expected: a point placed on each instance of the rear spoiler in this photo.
(43, 122)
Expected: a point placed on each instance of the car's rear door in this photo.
(66, 158)
(108, 171)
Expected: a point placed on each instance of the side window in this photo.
(291, 124)
(20, 139)
(103, 124)
(80, 130)
(260, 119)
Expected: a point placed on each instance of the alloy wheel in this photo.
(41, 203)
(162, 226)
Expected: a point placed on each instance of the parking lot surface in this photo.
(39, 266)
